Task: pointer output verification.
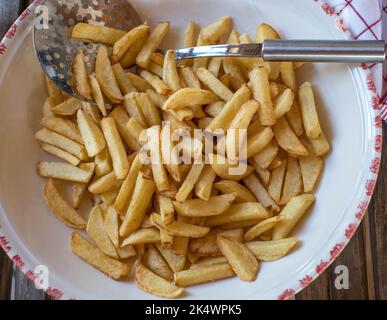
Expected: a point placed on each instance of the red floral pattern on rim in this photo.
(336, 250)
(18, 261)
(11, 32)
(350, 231)
(54, 293)
(378, 143)
(4, 243)
(375, 164)
(370, 186)
(287, 294)
(378, 121)
(305, 281)
(362, 209)
(328, 9)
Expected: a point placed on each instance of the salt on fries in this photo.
(185, 223)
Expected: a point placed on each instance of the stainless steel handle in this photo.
(324, 51)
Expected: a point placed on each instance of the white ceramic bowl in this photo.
(32, 235)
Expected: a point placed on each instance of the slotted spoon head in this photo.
(54, 48)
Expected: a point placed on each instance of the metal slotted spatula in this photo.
(55, 50)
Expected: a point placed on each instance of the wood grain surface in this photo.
(365, 256)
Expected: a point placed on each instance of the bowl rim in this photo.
(14, 251)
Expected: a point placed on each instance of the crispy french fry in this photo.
(190, 78)
(158, 59)
(126, 252)
(155, 262)
(311, 168)
(122, 79)
(78, 189)
(239, 212)
(240, 192)
(97, 94)
(233, 38)
(142, 194)
(64, 171)
(283, 103)
(295, 119)
(203, 186)
(226, 169)
(264, 158)
(57, 152)
(259, 191)
(159, 85)
(215, 108)
(104, 184)
(175, 262)
(208, 261)
(214, 66)
(180, 245)
(276, 182)
(53, 91)
(170, 74)
(96, 33)
(287, 139)
(264, 174)
(287, 75)
(292, 213)
(111, 226)
(61, 208)
(134, 129)
(149, 110)
(308, 111)
(214, 84)
(80, 75)
(231, 67)
(116, 147)
(169, 154)
(203, 274)
(64, 127)
(188, 97)
(133, 108)
(190, 35)
(95, 257)
(105, 76)
(110, 196)
(189, 182)
(320, 145)
(156, 69)
(155, 39)
(140, 84)
(121, 118)
(95, 229)
(241, 224)
(242, 261)
(154, 284)
(259, 141)
(129, 58)
(262, 227)
(275, 163)
(271, 250)
(167, 211)
(215, 31)
(68, 107)
(48, 105)
(166, 239)
(103, 163)
(293, 181)
(142, 236)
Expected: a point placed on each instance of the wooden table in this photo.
(365, 256)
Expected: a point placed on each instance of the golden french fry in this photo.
(320, 145)
(215, 108)
(215, 205)
(241, 224)
(180, 245)
(259, 141)
(116, 147)
(129, 58)
(214, 84)
(189, 182)
(287, 139)
(311, 168)
(259, 191)
(308, 111)
(149, 110)
(208, 261)
(159, 85)
(95, 229)
(178, 228)
(175, 262)
(166, 239)
(103, 163)
(104, 184)
(292, 213)
(276, 182)
(205, 246)
(239, 212)
(214, 66)
(96, 258)
(167, 210)
(203, 186)
(110, 196)
(188, 97)
(111, 226)
(155, 262)
(53, 91)
(233, 38)
(215, 31)
(295, 119)
(275, 163)
(96, 33)
(97, 94)
(226, 169)
(170, 74)
(287, 75)
(126, 252)
(240, 192)
(68, 107)
(283, 103)
(158, 59)
(231, 67)
(169, 154)
(156, 69)
(190, 35)
(47, 108)
(293, 181)
(79, 189)
(190, 78)
(122, 79)
(80, 75)
(133, 108)
(62, 154)
(264, 174)
(141, 197)
(121, 118)
(124, 43)
(91, 134)
(61, 208)
(140, 84)
(154, 284)
(242, 261)
(271, 250)
(105, 76)
(64, 127)
(264, 158)
(203, 274)
(142, 236)
(266, 32)
(64, 171)
(154, 40)
(262, 227)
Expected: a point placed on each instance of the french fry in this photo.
(68, 107)
(203, 186)
(293, 181)
(170, 74)
(105, 76)
(64, 171)
(242, 261)
(159, 85)
(259, 141)
(226, 80)
(295, 119)
(155, 39)
(48, 105)
(276, 182)
(203, 274)
(262, 227)
(155, 262)
(311, 168)
(259, 191)
(78, 189)
(134, 129)
(180, 245)
(142, 236)
(110, 196)
(175, 262)
(233, 38)
(271, 250)
(215, 31)
(154, 284)
(104, 184)
(190, 78)
(166, 239)
(126, 252)
(121, 118)
(91, 134)
(232, 68)
(103, 163)
(53, 91)
(142, 194)
(283, 103)
(64, 127)
(116, 147)
(57, 152)
(264, 158)
(129, 58)
(97, 94)
(226, 169)
(189, 182)
(188, 97)
(61, 208)
(291, 214)
(158, 59)
(133, 108)
(190, 35)
(308, 111)
(215, 108)
(240, 192)
(287, 139)
(287, 75)
(149, 110)
(254, 127)
(140, 84)
(261, 89)
(215, 205)
(208, 261)
(264, 174)
(228, 112)
(169, 155)
(214, 84)
(167, 211)
(95, 229)
(124, 43)
(156, 69)
(241, 224)
(111, 226)
(80, 75)
(275, 163)
(94, 256)
(122, 79)
(96, 33)
(320, 145)
(178, 228)
(239, 212)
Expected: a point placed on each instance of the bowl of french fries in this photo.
(214, 178)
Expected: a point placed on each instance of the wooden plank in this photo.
(25, 289)
(317, 290)
(9, 11)
(5, 276)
